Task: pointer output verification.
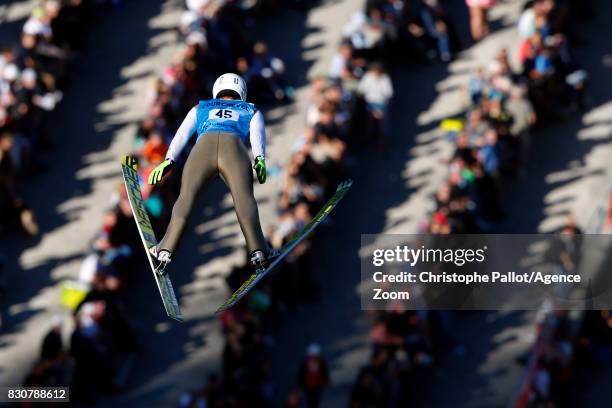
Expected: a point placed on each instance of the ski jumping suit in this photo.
(222, 127)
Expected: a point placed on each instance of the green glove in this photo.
(260, 169)
(160, 171)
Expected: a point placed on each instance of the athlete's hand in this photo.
(260, 169)
(160, 171)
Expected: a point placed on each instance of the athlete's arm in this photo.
(184, 132)
(258, 135)
(179, 141)
(257, 130)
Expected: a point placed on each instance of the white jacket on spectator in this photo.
(376, 88)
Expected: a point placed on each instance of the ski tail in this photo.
(341, 191)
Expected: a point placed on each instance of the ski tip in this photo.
(130, 162)
(345, 184)
(220, 310)
(227, 304)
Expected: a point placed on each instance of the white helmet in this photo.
(230, 82)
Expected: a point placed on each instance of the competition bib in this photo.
(224, 114)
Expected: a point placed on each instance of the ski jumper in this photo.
(222, 127)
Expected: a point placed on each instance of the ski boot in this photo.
(161, 259)
(259, 261)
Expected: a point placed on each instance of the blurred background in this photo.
(477, 116)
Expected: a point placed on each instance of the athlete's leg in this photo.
(200, 168)
(235, 167)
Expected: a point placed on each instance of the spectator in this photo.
(267, 75)
(30, 74)
(342, 64)
(53, 367)
(488, 153)
(52, 346)
(377, 91)
(313, 376)
(479, 24)
(523, 118)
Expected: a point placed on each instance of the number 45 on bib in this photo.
(226, 114)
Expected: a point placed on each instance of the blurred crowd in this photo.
(33, 69)
(347, 113)
(33, 72)
(505, 103)
(103, 345)
(551, 360)
(491, 144)
(567, 344)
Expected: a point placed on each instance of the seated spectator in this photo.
(377, 91)
(489, 154)
(271, 70)
(154, 150)
(343, 67)
(14, 213)
(313, 376)
(479, 25)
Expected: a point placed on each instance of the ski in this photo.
(341, 191)
(129, 169)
